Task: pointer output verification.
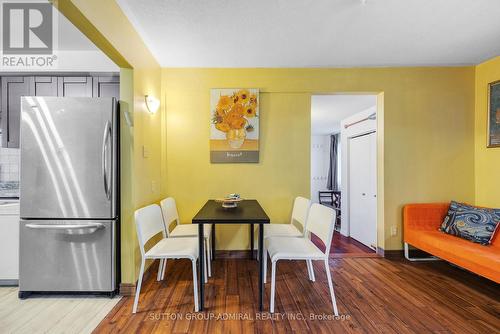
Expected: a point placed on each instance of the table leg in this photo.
(251, 241)
(213, 242)
(201, 262)
(261, 266)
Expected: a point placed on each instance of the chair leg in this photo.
(164, 269)
(310, 267)
(264, 251)
(273, 286)
(209, 257)
(310, 271)
(195, 287)
(330, 285)
(160, 270)
(138, 290)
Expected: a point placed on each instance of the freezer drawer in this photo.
(70, 255)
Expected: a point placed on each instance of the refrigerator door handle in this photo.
(65, 226)
(106, 137)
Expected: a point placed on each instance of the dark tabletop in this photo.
(247, 212)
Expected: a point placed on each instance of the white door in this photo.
(363, 189)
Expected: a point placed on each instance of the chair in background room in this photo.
(325, 197)
(337, 207)
(149, 222)
(332, 198)
(170, 214)
(321, 222)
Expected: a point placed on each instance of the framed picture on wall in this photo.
(494, 114)
(234, 126)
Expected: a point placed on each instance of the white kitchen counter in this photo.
(9, 242)
(9, 206)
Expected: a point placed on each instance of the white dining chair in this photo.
(321, 222)
(149, 222)
(299, 216)
(170, 214)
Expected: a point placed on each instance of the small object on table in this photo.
(230, 201)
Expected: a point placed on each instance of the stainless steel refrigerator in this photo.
(68, 194)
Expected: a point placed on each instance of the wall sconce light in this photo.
(152, 103)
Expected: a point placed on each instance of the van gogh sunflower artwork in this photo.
(234, 128)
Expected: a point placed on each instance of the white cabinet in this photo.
(9, 242)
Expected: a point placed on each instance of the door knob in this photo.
(364, 194)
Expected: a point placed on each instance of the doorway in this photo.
(344, 168)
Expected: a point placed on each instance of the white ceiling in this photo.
(328, 110)
(317, 33)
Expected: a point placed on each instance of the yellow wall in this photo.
(147, 133)
(487, 159)
(428, 125)
(105, 25)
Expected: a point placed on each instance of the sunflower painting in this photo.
(234, 128)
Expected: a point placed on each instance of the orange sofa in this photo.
(421, 224)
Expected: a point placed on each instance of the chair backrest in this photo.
(170, 214)
(149, 222)
(321, 222)
(300, 210)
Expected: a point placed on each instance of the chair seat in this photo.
(280, 248)
(281, 230)
(190, 230)
(175, 248)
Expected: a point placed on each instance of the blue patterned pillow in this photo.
(471, 223)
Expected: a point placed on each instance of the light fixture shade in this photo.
(152, 103)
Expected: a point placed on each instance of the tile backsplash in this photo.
(9, 171)
(9, 164)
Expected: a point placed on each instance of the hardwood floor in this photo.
(374, 295)
(54, 314)
(347, 245)
(343, 246)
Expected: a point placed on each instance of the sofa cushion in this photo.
(471, 223)
(448, 219)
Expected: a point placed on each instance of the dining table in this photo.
(248, 212)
